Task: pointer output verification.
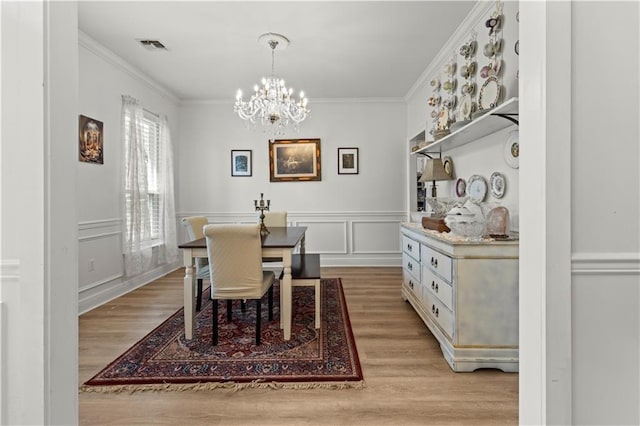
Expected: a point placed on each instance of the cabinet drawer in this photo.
(437, 262)
(411, 247)
(413, 284)
(438, 287)
(411, 265)
(438, 312)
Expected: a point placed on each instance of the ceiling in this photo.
(338, 49)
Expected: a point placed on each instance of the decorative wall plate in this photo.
(477, 188)
(489, 93)
(512, 150)
(448, 166)
(461, 187)
(466, 108)
(498, 184)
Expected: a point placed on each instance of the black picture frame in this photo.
(241, 162)
(348, 161)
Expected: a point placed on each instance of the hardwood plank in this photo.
(408, 380)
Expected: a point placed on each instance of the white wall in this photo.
(606, 213)
(352, 219)
(103, 79)
(38, 286)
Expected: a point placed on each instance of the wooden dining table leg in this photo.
(189, 291)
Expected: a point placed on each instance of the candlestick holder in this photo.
(262, 206)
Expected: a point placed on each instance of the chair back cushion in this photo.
(235, 254)
(275, 219)
(194, 226)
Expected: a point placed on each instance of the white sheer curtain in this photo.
(149, 210)
(169, 250)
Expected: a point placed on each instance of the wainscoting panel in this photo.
(375, 237)
(99, 253)
(328, 237)
(605, 322)
(341, 238)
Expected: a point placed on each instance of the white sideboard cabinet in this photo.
(466, 292)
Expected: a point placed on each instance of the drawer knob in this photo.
(409, 247)
(411, 284)
(410, 266)
(433, 309)
(436, 312)
(433, 285)
(436, 288)
(434, 262)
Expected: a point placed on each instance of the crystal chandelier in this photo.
(272, 104)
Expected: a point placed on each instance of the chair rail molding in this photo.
(605, 263)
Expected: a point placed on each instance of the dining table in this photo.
(278, 242)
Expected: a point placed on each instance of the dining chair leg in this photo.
(271, 303)
(214, 329)
(243, 305)
(229, 306)
(258, 320)
(199, 296)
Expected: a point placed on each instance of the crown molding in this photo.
(101, 51)
(312, 101)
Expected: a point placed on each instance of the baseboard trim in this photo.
(114, 291)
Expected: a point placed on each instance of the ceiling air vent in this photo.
(152, 45)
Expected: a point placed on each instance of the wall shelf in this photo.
(499, 118)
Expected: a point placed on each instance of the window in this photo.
(149, 182)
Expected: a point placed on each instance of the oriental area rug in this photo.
(164, 360)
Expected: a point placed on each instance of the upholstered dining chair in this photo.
(235, 256)
(194, 226)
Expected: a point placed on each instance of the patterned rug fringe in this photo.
(232, 386)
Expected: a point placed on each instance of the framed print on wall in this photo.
(241, 162)
(348, 162)
(90, 138)
(294, 160)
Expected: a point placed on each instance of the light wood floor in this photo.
(408, 380)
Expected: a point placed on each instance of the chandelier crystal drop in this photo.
(272, 105)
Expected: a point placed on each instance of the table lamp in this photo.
(433, 171)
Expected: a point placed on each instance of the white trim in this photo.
(113, 292)
(9, 270)
(84, 40)
(605, 263)
(102, 223)
(96, 236)
(99, 283)
(230, 101)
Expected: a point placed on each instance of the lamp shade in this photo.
(434, 170)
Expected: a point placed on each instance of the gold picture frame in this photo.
(293, 160)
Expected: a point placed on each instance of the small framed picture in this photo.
(348, 163)
(90, 132)
(241, 162)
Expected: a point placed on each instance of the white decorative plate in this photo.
(466, 107)
(489, 93)
(461, 187)
(448, 166)
(498, 184)
(477, 188)
(512, 150)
